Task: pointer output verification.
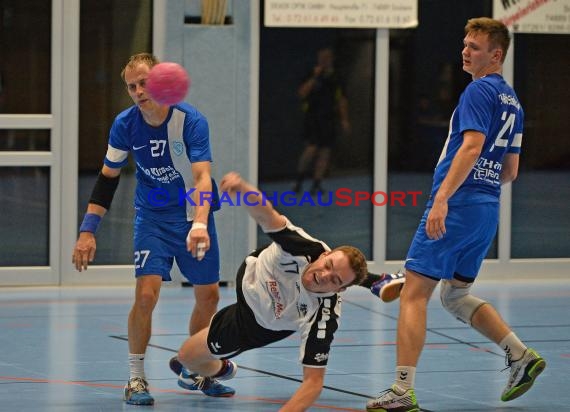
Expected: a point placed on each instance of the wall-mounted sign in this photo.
(342, 13)
(534, 16)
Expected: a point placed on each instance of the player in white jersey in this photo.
(458, 226)
(171, 148)
(291, 285)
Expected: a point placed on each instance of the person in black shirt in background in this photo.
(323, 103)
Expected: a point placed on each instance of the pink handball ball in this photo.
(168, 83)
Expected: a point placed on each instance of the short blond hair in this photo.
(495, 29)
(140, 58)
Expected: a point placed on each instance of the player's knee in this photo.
(458, 301)
(185, 357)
(146, 300)
(190, 353)
(207, 298)
(208, 303)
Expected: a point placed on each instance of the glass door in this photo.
(30, 140)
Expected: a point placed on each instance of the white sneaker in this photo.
(523, 374)
(391, 401)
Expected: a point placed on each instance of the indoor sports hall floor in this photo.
(64, 349)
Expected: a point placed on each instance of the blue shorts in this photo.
(470, 229)
(157, 244)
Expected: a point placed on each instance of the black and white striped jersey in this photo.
(273, 289)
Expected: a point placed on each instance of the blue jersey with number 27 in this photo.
(490, 106)
(163, 157)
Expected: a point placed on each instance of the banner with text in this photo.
(361, 14)
(534, 16)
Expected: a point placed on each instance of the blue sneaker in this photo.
(388, 287)
(195, 382)
(136, 392)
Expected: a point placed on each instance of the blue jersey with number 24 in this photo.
(488, 105)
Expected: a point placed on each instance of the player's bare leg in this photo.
(147, 292)
(207, 298)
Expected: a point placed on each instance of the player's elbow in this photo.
(472, 152)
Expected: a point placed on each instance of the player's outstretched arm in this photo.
(308, 392)
(258, 206)
(198, 239)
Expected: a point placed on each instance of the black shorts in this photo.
(234, 329)
(320, 131)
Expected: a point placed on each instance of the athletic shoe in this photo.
(389, 400)
(388, 287)
(229, 370)
(136, 392)
(194, 382)
(523, 374)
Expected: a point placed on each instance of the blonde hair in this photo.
(356, 261)
(140, 58)
(495, 29)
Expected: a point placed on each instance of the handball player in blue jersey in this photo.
(171, 149)
(481, 153)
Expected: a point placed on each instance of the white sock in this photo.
(513, 347)
(405, 377)
(136, 365)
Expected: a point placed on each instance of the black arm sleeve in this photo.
(104, 190)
